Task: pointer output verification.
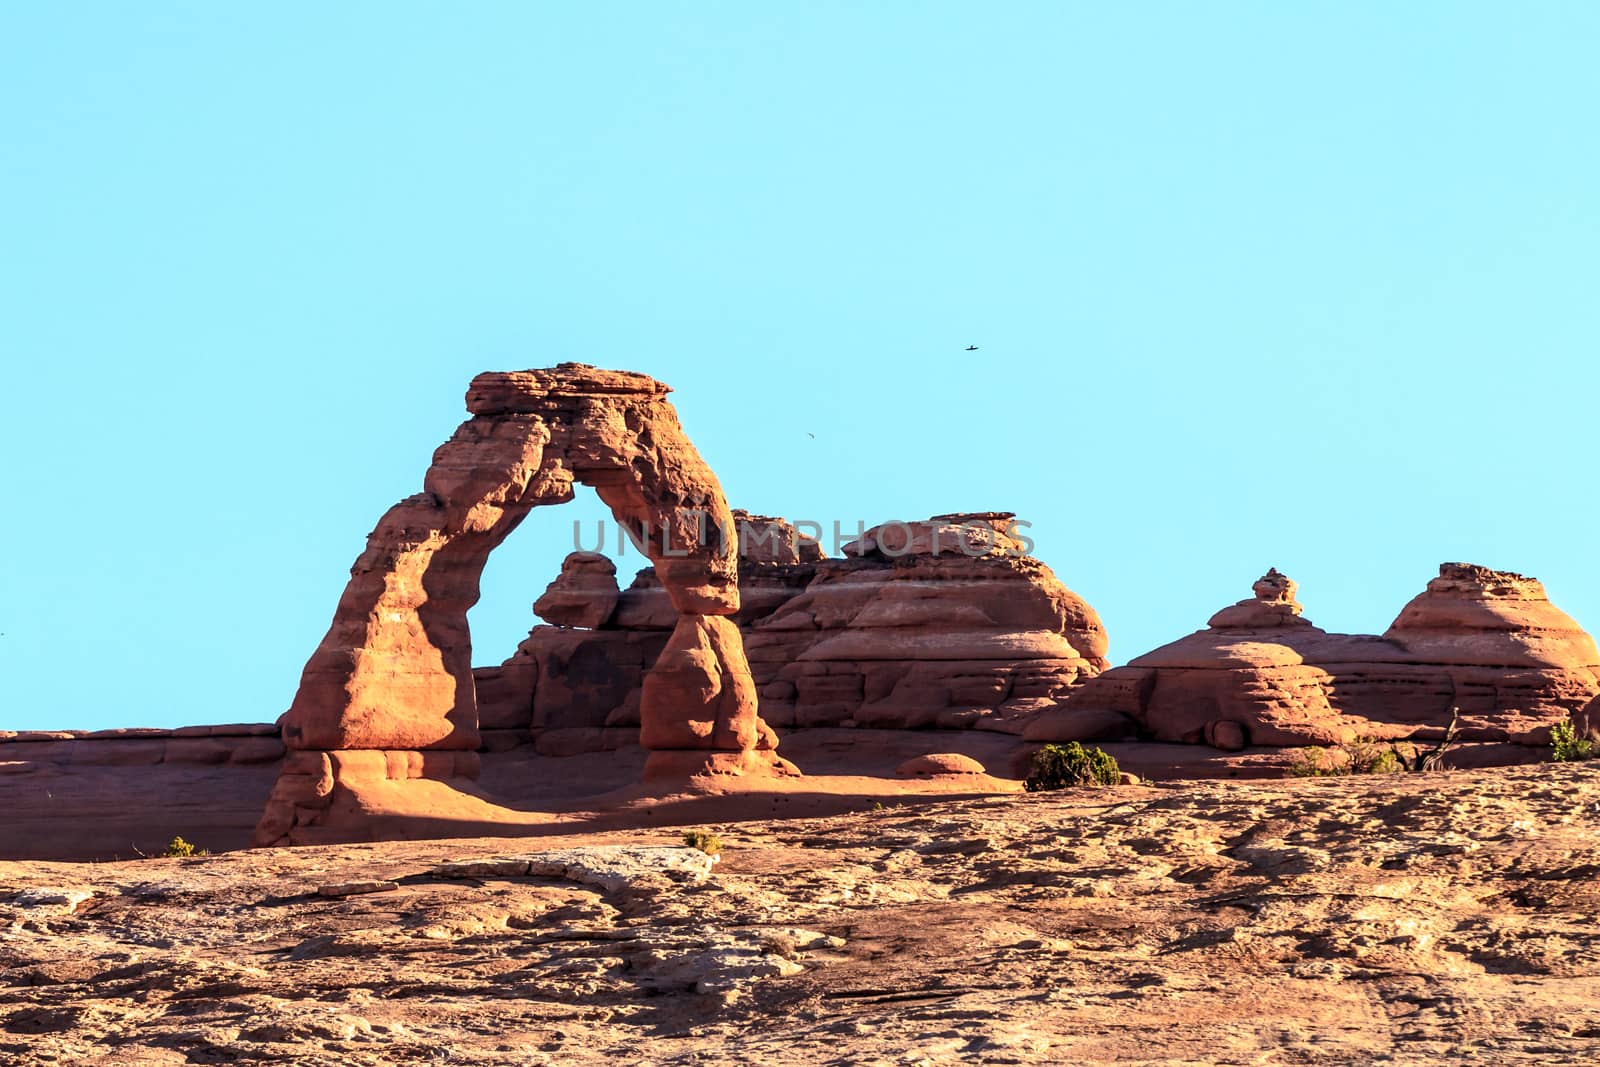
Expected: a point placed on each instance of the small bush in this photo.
(1366, 756)
(181, 849)
(1061, 766)
(1361, 756)
(704, 840)
(1566, 746)
(1312, 763)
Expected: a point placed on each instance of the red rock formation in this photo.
(573, 690)
(943, 623)
(235, 744)
(583, 595)
(776, 563)
(393, 676)
(1488, 643)
(939, 765)
(1473, 615)
(1243, 680)
(924, 624)
(569, 679)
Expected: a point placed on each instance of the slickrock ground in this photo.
(1392, 919)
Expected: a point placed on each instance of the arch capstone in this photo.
(389, 692)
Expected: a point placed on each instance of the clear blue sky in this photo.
(1305, 285)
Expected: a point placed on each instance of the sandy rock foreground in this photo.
(1394, 919)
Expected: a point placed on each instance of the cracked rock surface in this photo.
(1388, 919)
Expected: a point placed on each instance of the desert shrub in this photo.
(1366, 756)
(1361, 756)
(1312, 763)
(181, 849)
(704, 840)
(1060, 766)
(1566, 745)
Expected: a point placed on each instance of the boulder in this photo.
(938, 765)
(584, 594)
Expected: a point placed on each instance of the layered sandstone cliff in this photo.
(1486, 646)
(944, 623)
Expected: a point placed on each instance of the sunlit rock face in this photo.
(1485, 647)
(583, 595)
(940, 623)
(394, 672)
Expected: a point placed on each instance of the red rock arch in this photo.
(394, 672)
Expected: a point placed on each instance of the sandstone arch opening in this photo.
(517, 572)
(388, 696)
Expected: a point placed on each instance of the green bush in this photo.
(1309, 763)
(181, 849)
(1566, 745)
(1361, 756)
(1366, 756)
(1061, 766)
(704, 840)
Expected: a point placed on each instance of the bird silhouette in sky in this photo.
(808, 434)
(972, 348)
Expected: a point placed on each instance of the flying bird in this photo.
(808, 434)
(972, 348)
